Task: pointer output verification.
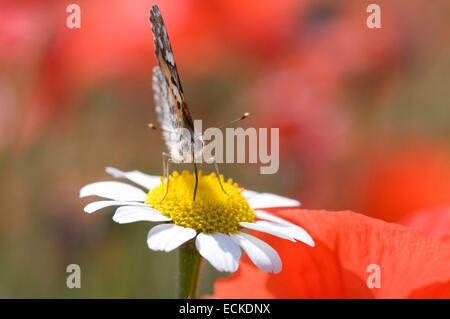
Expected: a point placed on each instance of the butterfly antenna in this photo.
(154, 127)
(242, 117)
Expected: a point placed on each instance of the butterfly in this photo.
(172, 110)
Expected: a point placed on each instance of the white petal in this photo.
(167, 237)
(268, 216)
(131, 214)
(300, 234)
(147, 181)
(295, 231)
(220, 250)
(266, 227)
(114, 190)
(248, 194)
(259, 252)
(95, 206)
(268, 200)
(290, 232)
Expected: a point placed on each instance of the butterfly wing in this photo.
(170, 99)
(164, 106)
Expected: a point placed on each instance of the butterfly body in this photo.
(171, 107)
(180, 143)
(173, 112)
(185, 145)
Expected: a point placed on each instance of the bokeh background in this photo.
(364, 120)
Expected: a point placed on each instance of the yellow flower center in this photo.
(212, 211)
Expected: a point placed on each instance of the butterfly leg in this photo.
(166, 161)
(216, 169)
(196, 180)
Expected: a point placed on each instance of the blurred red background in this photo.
(363, 114)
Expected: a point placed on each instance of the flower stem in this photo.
(189, 261)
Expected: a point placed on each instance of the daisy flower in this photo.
(216, 220)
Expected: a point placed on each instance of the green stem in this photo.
(189, 261)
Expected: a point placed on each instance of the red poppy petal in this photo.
(255, 284)
(439, 290)
(346, 244)
(434, 222)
